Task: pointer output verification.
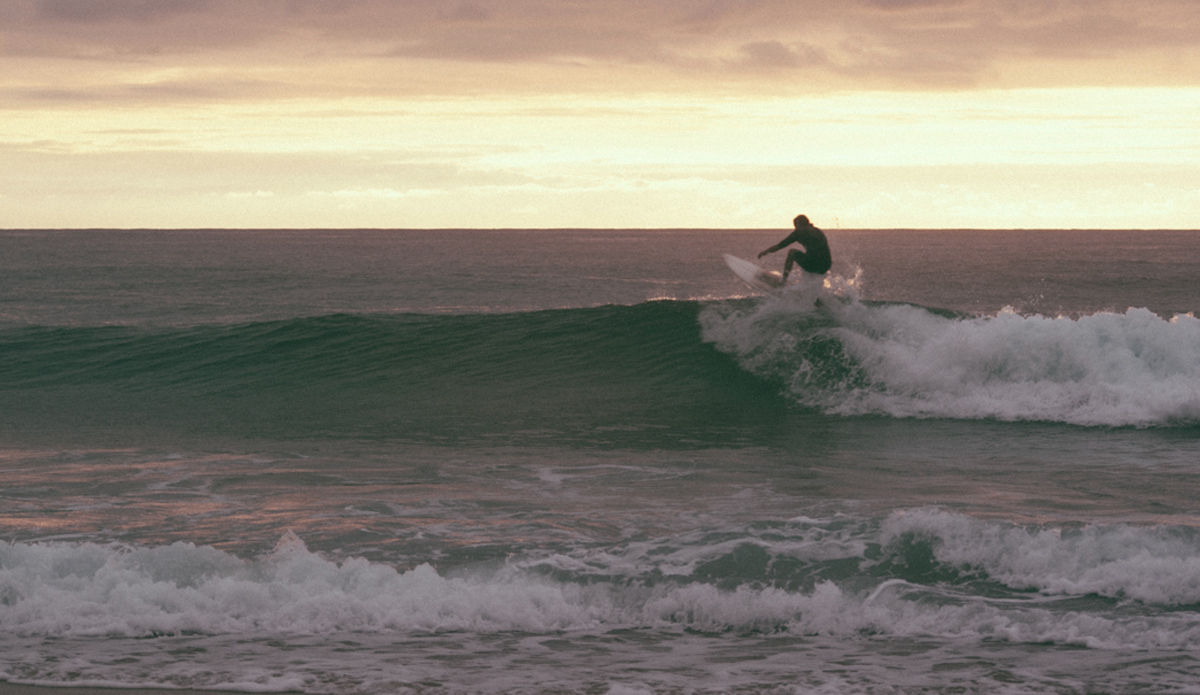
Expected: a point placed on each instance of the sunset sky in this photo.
(600, 113)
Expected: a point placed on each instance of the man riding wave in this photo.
(814, 257)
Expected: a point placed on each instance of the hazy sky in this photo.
(599, 113)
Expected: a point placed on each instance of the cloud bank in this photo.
(774, 44)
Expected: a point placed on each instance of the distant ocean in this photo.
(593, 462)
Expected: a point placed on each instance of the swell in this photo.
(571, 372)
(656, 341)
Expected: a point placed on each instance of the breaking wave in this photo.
(854, 358)
(919, 572)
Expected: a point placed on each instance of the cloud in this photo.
(167, 91)
(93, 11)
(911, 4)
(465, 12)
(774, 54)
(875, 43)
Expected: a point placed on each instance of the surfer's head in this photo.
(801, 221)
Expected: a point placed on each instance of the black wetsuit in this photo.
(816, 257)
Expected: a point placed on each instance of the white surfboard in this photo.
(769, 281)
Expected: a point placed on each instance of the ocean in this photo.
(592, 461)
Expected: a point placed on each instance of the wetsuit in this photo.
(815, 258)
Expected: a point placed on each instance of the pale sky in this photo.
(600, 113)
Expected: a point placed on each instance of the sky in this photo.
(600, 113)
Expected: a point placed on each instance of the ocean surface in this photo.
(574, 461)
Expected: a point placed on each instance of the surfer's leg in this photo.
(794, 256)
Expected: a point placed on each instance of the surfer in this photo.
(814, 258)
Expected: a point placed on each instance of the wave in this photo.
(918, 573)
(659, 373)
(856, 358)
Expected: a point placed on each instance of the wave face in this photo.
(565, 373)
(855, 358)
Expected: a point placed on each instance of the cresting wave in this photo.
(918, 573)
(850, 358)
(696, 369)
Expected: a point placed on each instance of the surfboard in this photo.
(769, 281)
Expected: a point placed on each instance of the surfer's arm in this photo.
(776, 247)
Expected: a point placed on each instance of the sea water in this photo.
(575, 461)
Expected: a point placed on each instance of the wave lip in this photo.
(854, 358)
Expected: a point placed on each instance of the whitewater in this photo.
(581, 461)
(1107, 368)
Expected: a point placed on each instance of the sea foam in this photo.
(1157, 565)
(851, 358)
(80, 590)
